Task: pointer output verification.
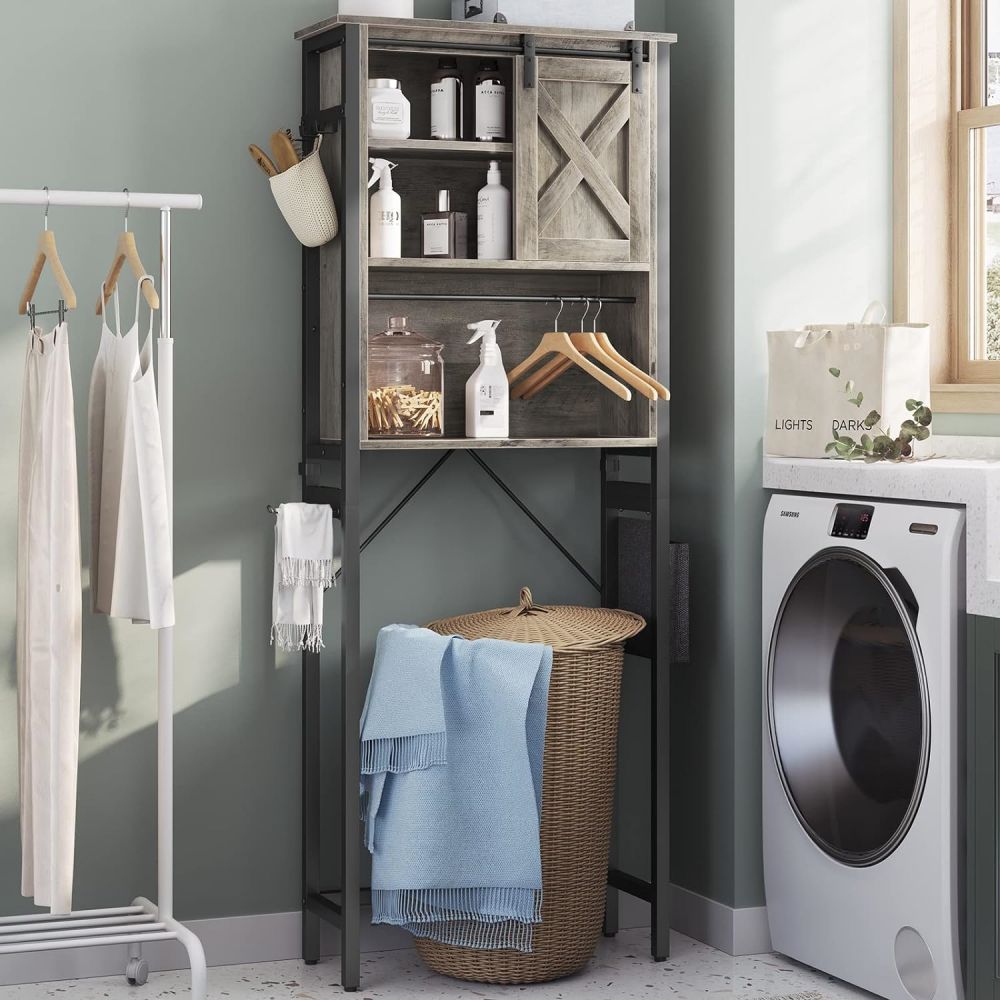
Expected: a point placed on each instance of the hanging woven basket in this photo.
(578, 783)
(303, 194)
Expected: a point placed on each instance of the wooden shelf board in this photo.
(450, 444)
(442, 149)
(445, 31)
(487, 266)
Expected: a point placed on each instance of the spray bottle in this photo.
(385, 214)
(487, 393)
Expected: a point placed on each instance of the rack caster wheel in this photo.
(137, 972)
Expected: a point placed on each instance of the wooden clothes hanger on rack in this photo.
(558, 342)
(47, 252)
(126, 250)
(598, 346)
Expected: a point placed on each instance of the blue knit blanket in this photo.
(452, 738)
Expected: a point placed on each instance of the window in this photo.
(977, 346)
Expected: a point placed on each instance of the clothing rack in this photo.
(143, 921)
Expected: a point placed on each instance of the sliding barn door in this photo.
(583, 162)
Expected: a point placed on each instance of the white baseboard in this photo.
(736, 931)
(274, 937)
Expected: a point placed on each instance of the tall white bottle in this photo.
(487, 393)
(385, 213)
(493, 217)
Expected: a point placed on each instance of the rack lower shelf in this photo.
(448, 444)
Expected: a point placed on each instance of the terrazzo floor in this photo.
(621, 970)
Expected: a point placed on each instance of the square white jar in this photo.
(388, 110)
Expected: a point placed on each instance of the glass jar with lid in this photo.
(405, 383)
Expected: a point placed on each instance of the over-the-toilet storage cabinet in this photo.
(585, 159)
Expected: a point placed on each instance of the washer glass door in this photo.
(847, 706)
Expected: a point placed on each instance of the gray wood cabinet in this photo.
(589, 215)
(582, 161)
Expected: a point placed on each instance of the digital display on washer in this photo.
(852, 520)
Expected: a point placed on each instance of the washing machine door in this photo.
(847, 705)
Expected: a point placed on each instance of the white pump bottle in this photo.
(487, 393)
(385, 213)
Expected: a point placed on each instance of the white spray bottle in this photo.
(385, 213)
(487, 393)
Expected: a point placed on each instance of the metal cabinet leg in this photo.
(310, 804)
(612, 896)
(660, 711)
(355, 170)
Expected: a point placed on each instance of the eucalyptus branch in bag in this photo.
(882, 446)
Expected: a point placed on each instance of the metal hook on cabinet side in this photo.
(271, 509)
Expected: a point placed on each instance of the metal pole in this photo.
(311, 668)
(98, 199)
(430, 297)
(165, 636)
(662, 597)
(609, 572)
(355, 218)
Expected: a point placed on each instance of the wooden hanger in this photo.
(47, 252)
(560, 343)
(598, 345)
(126, 250)
(661, 390)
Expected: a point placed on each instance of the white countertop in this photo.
(965, 471)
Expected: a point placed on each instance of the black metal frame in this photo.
(651, 498)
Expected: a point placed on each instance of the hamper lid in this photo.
(563, 627)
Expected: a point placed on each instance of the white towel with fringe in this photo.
(303, 569)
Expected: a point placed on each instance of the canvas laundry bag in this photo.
(828, 378)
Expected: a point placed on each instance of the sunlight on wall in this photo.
(12, 345)
(816, 129)
(207, 654)
(119, 668)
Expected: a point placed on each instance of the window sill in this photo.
(965, 398)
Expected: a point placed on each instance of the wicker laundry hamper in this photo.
(578, 781)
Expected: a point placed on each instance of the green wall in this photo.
(167, 98)
(702, 422)
(782, 216)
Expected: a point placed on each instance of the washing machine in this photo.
(863, 617)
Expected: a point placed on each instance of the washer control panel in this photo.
(851, 520)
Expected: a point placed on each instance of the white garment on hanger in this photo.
(131, 553)
(49, 613)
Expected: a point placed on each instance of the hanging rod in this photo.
(98, 199)
(432, 297)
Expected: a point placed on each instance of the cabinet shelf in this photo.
(441, 149)
(488, 266)
(475, 444)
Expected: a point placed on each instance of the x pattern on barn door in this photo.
(584, 166)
